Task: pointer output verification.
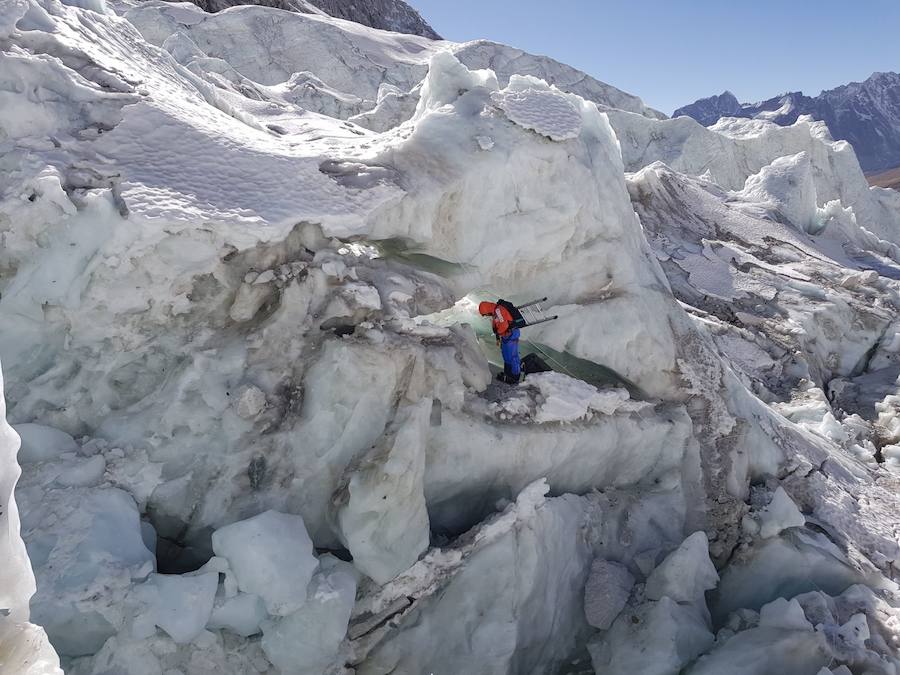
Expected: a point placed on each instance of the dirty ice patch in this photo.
(548, 113)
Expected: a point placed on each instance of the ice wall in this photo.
(735, 149)
(23, 646)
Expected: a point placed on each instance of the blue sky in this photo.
(671, 53)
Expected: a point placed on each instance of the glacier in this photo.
(241, 260)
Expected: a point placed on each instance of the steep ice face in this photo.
(87, 546)
(506, 236)
(732, 253)
(306, 286)
(780, 514)
(179, 605)
(40, 443)
(656, 637)
(23, 645)
(382, 516)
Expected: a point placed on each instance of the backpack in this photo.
(518, 321)
(532, 363)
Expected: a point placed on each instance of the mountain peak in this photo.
(867, 114)
(709, 110)
(883, 75)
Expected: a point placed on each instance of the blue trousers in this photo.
(509, 347)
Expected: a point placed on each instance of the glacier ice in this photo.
(382, 515)
(491, 620)
(783, 614)
(544, 112)
(87, 548)
(657, 637)
(180, 605)
(241, 614)
(766, 650)
(685, 574)
(271, 556)
(308, 640)
(40, 443)
(787, 186)
(24, 645)
(780, 514)
(241, 256)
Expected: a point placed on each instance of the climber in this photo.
(505, 321)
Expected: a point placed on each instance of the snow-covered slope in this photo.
(867, 114)
(259, 427)
(393, 15)
(337, 68)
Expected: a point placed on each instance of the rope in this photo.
(549, 358)
(557, 365)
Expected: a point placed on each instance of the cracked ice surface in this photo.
(247, 448)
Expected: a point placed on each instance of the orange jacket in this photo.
(501, 319)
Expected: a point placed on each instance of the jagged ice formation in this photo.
(259, 428)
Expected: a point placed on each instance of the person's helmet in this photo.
(486, 308)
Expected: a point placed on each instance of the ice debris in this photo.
(655, 638)
(306, 641)
(179, 604)
(556, 397)
(271, 556)
(606, 592)
(780, 514)
(685, 574)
